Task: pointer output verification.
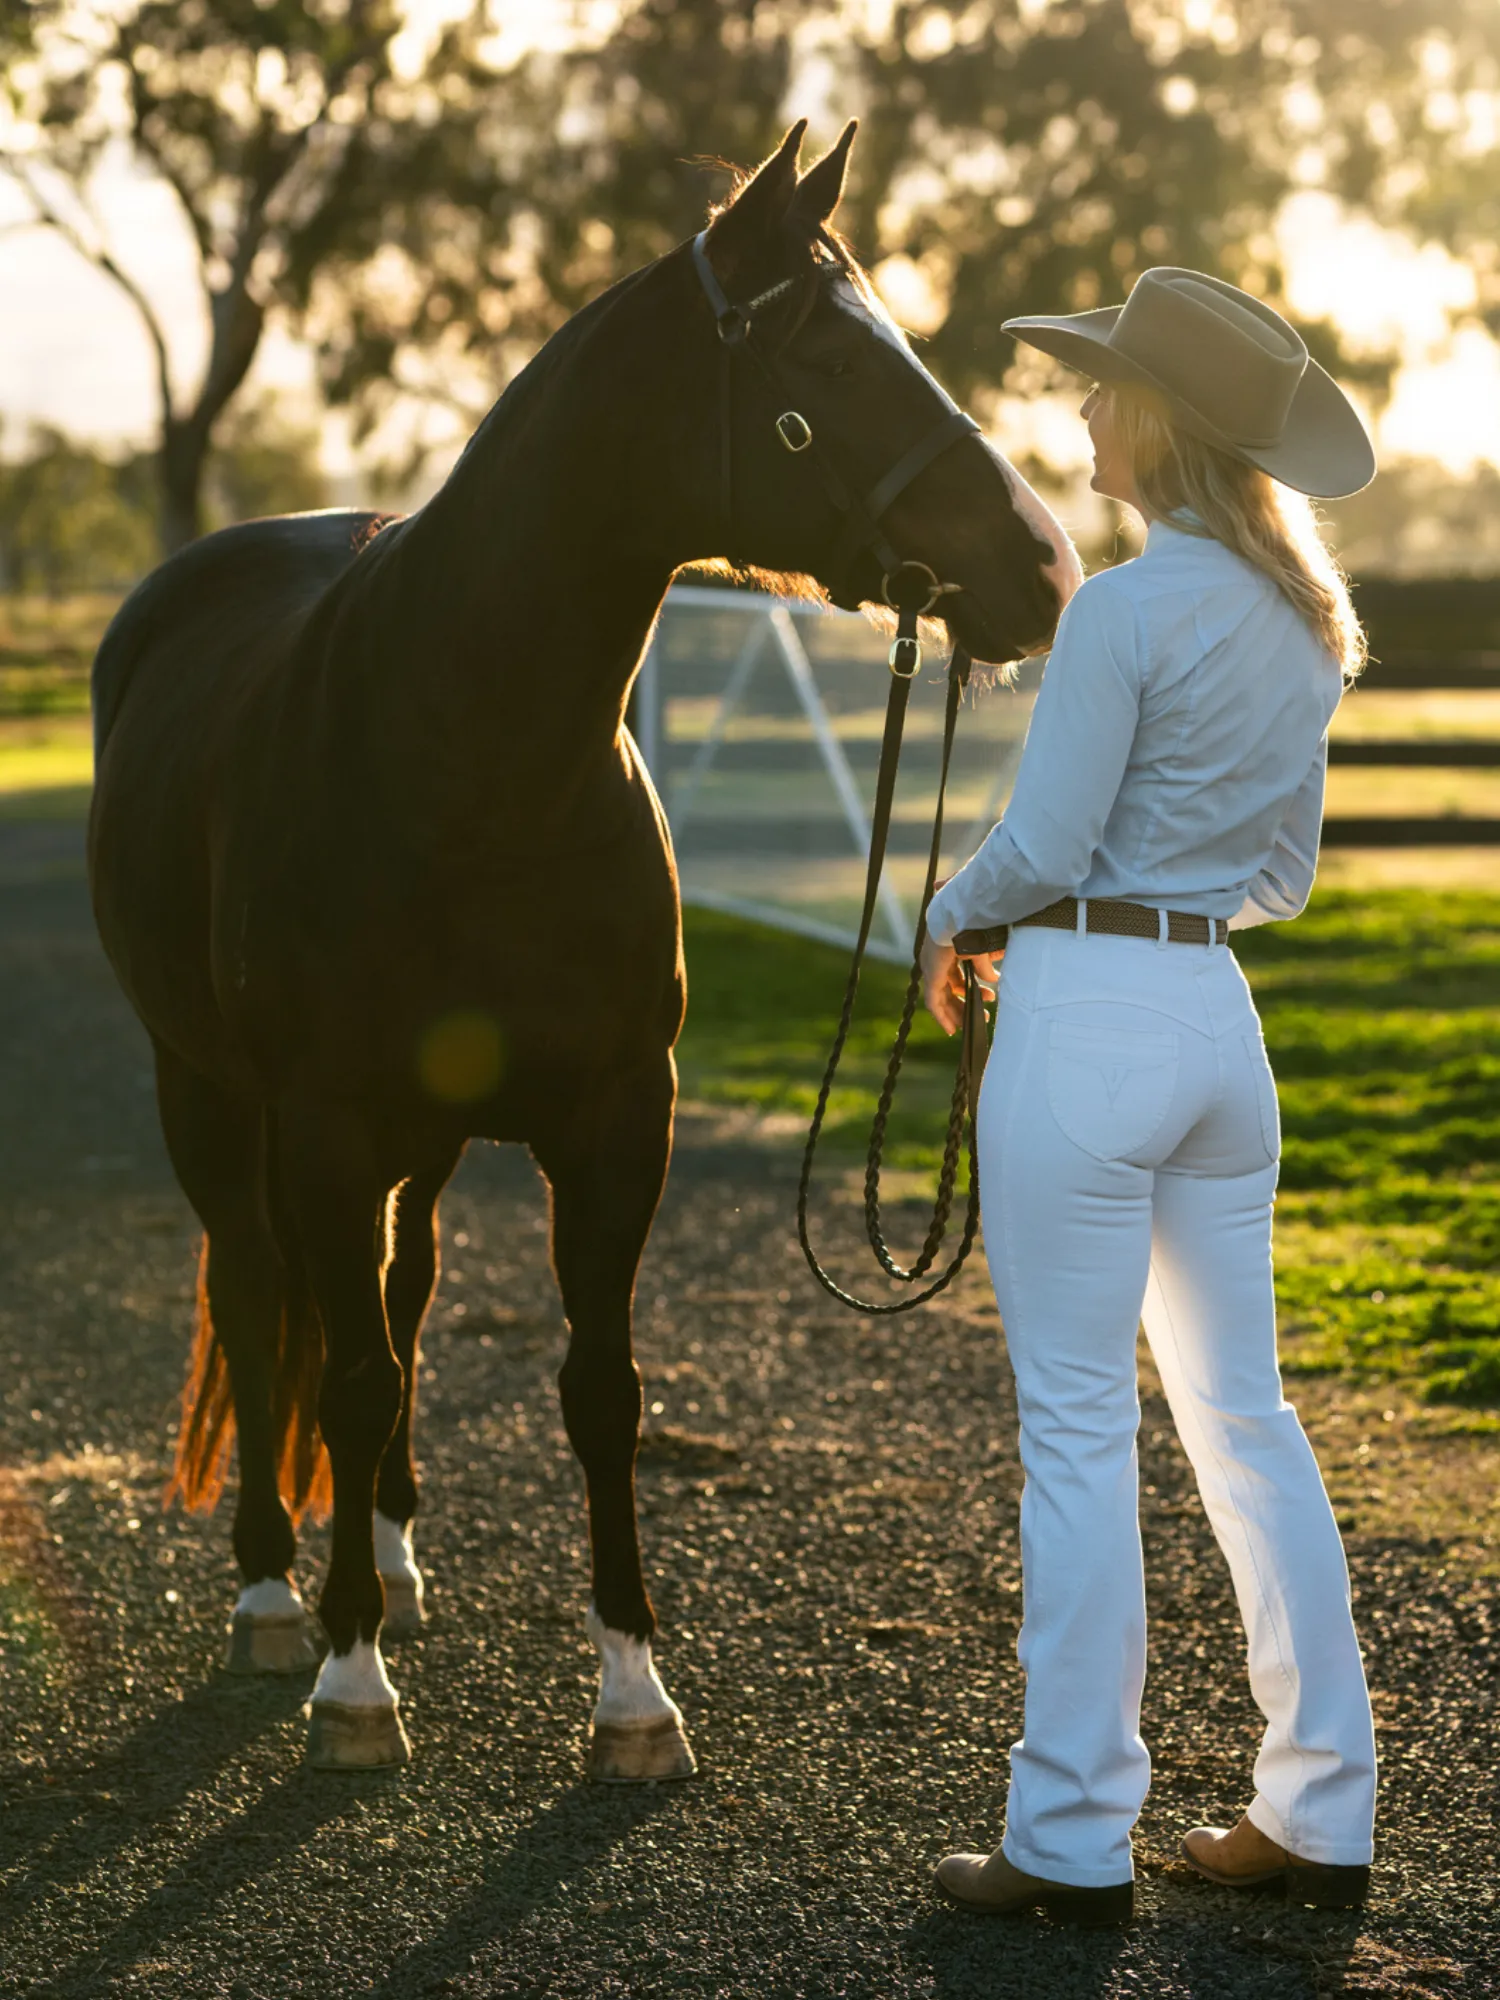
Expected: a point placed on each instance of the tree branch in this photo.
(97, 254)
(140, 104)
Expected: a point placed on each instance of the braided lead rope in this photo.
(958, 674)
(970, 1041)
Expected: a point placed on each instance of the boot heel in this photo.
(1091, 1907)
(1325, 1887)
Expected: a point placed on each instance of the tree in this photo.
(426, 229)
(1016, 155)
(294, 145)
(1038, 159)
(75, 518)
(71, 518)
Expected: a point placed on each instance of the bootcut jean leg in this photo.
(1210, 1319)
(1069, 1240)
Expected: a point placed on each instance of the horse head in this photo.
(823, 402)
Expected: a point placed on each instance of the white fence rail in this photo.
(760, 720)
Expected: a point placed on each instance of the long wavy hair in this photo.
(1204, 490)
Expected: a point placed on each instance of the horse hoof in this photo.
(340, 1738)
(404, 1616)
(270, 1643)
(632, 1753)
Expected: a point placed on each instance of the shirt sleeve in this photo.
(1282, 887)
(1076, 752)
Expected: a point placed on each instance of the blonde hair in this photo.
(1276, 530)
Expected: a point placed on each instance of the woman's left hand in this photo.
(943, 982)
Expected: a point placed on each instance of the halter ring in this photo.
(935, 590)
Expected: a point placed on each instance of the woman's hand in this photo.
(943, 982)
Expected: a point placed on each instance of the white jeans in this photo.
(1128, 1148)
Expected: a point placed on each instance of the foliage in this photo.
(1039, 158)
(71, 517)
(1419, 519)
(1015, 155)
(74, 518)
(426, 222)
(293, 145)
(1382, 1015)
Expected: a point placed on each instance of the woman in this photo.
(1128, 1139)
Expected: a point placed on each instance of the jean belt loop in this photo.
(1163, 936)
(1083, 916)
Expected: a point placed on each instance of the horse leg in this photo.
(606, 1169)
(335, 1196)
(217, 1147)
(410, 1277)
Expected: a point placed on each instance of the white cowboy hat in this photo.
(1229, 370)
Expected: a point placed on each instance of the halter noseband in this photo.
(909, 588)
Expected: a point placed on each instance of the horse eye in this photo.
(839, 367)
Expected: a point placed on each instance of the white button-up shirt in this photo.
(1176, 753)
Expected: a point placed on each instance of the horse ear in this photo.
(819, 189)
(761, 204)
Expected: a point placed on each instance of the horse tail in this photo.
(206, 1432)
(303, 1471)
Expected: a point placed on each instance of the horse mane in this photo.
(749, 576)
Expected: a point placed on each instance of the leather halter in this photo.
(911, 589)
(902, 581)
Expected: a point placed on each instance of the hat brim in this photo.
(1324, 449)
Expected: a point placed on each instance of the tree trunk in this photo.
(180, 466)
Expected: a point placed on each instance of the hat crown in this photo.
(1234, 361)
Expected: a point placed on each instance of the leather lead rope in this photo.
(973, 1041)
(911, 589)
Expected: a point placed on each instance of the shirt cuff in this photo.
(942, 925)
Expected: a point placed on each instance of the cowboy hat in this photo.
(1227, 368)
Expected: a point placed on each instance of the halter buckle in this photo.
(904, 658)
(795, 433)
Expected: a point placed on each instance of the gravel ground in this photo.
(830, 1517)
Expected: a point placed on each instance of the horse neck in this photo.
(521, 596)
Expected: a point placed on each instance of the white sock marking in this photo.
(630, 1688)
(272, 1597)
(393, 1556)
(356, 1679)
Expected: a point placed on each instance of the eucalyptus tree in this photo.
(296, 145)
(1019, 154)
(1045, 154)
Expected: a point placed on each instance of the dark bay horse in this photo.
(379, 866)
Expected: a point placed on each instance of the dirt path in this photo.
(829, 1513)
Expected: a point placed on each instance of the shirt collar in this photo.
(1184, 526)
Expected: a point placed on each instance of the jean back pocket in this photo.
(1110, 1089)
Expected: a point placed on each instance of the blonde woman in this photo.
(1171, 790)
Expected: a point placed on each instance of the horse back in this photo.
(219, 601)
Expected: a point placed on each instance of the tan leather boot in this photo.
(1245, 1858)
(991, 1883)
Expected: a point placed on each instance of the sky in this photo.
(72, 351)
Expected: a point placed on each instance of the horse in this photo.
(368, 822)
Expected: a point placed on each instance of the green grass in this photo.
(1382, 1013)
(46, 645)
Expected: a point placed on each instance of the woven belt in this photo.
(1106, 917)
